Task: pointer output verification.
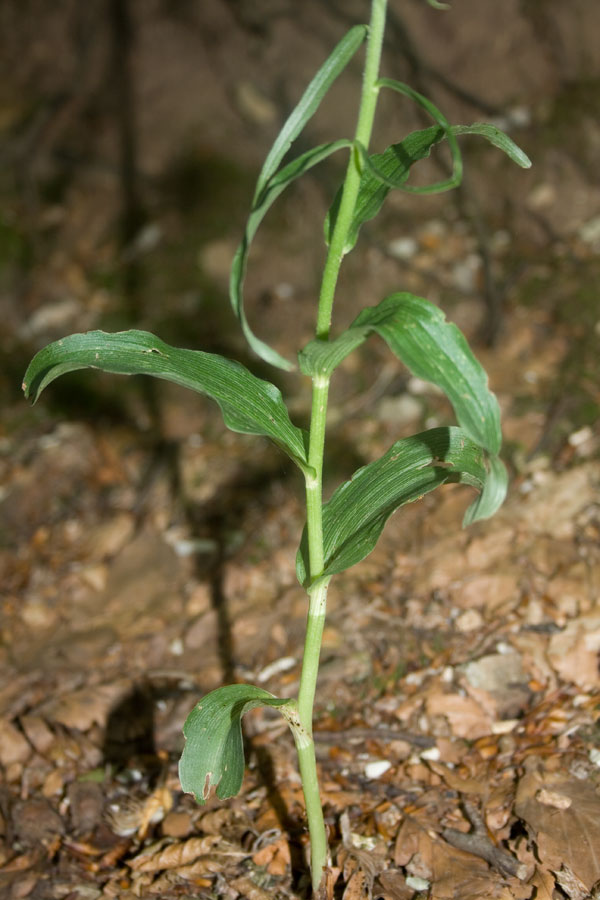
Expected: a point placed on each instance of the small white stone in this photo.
(470, 620)
(577, 438)
(590, 231)
(176, 647)
(279, 665)
(417, 883)
(403, 248)
(541, 197)
(432, 753)
(595, 756)
(504, 726)
(399, 410)
(377, 768)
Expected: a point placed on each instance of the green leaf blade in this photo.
(356, 514)
(384, 171)
(392, 167)
(214, 753)
(432, 348)
(263, 202)
(310, 101)
(437, 351)
(272, 182)
(498, 139)
(249, 404)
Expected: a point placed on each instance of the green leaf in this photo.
(498, 138)
(214, 752)
(249, 404)
(438, 116)
(432, 348)
(391, 169)
(261, 206)
(492, 495)
(355, 515)
(310, 101)
(271, 183)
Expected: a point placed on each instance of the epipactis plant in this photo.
(342, 531)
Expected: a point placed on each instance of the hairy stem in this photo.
(314, 483)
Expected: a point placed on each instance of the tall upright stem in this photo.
(314, 482)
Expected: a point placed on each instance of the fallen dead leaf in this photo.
(544, 884)
(158, 856)
(13, 746)
(466, 717)
(452, 778)
(84, 708)
(275, 857)
(573, 652)
(356, 888)
(565, 835)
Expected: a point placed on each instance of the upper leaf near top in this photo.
(391, 169)
(272, 182)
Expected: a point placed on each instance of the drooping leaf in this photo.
(261, 206)
(249, 404)
(214, 752)
(355, 515)
(387, 168)
(432, 348)
(437, 115)
(492, 496)
(498, 138)
(270, 183)
(391, 169)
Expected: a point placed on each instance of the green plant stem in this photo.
(314, 482)
(364, 127)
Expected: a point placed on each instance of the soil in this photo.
(147, 554)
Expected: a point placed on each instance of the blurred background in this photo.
(147, 555)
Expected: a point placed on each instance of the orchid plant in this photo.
(343, 530)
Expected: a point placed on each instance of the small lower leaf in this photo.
(355, 516)
(214, 752)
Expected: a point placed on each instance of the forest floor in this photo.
(147, 555)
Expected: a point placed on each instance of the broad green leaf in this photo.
(432, 348)
(261, 206)
(214, 752)
(355, 515)
(271, 183)
(249, 404)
